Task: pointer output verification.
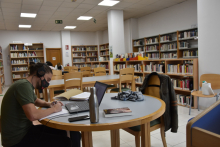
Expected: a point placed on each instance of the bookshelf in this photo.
(104, 52)
(87, 56)
(21, 56)
(173, 45)
(166, 67)
(1, 72)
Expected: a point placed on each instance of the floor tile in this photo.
(181, 145)
(98, 133)
(182, 129)
(173, 138)
(125, 136)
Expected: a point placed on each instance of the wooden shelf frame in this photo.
(166, 62)
(179, 50)
(105, 50)
(40, 55)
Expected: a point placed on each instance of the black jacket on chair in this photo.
(167, 94)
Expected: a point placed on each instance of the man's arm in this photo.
(41, 103)
(35, 114)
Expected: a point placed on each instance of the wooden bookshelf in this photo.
(104, 52)
(160, 44)
(142, 73)
(21, 56)
(2, 77)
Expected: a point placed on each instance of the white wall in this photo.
(83, 38)
(208, 26)
(105, 37)
(66, 54)
(177, 17)
(50, 40)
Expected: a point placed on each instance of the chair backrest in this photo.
(214, 79)
(73, 69)
(86, 71)
(57, 77)
(73, 80)
(100, 71)
(153, 90)
(67, 68)
(126, 75)
(57, 72)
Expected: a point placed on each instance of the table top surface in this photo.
(149, 109)
(87, 79)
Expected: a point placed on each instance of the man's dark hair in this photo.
(49, 63)
(35, 66)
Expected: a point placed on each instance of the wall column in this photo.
(66, 54)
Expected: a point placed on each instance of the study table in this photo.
(86, 81)
(143, 112)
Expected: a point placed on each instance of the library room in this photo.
(109, 73)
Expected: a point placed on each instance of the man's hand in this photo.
(57, 107)
(55, 102)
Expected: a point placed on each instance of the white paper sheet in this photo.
(64, 111)
(81, 96)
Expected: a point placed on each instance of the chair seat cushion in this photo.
(122, 89)
(199, 94)
(152, 123)
(59, 91)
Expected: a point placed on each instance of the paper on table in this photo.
(81, 96)
(64, 111)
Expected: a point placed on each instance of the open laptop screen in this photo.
(100, 90)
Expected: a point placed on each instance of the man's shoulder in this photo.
(23, 83)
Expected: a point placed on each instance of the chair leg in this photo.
(198, 102)
(162, 132)
(137, 141)
(216, 97)
(190, 104)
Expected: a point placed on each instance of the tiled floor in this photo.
(102, 138)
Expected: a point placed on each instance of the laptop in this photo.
(82, 106)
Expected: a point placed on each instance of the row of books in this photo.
(183, 44)
(151, 40)
(141, 49)
(138, 42)
(117, 67)
(82, 65)
(15, 55)
(91, 48)
(105, 66)
(35, 60)
(137, 67)
(183, 99)
(94, 65)
(92, 59)
(104, 58)
(78, 49)
(19, 68)
(165, 38)
(92, 54)
(152, 48)
(104, 53)
(169, 55)
(79, 60)
(188, 34)
(104, 47)
(180, 69)
(153, 55)
(183, 84)
(191, 53)
(170, 46)
(24, 75)
(79, 54)
(153, 67)
(139, 79)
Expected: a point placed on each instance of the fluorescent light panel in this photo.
(108, 3)
(69, 27)
(84, 18)
(24, 26)
(31, 15)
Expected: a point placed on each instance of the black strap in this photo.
(153, 85)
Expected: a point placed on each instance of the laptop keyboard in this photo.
(82, 105)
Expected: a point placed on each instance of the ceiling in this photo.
(50, 10)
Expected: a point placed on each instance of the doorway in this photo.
(54, 55)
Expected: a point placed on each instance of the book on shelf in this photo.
(78, 49)
(141, 49)
(153, 67)
(169, 55)
(183, 100)
(183, 44)
(190, 53)
(180, 69)
(170, 46)
(138, 42)
(137, 67)
(153, 55)
(73, 94)
(117, 67)
(125, 111)
(79, 60)
(79, 54)
(182, 84)
(139, 79)
(151, 40)
(188, 34)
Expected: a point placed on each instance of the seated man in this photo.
(18, 111)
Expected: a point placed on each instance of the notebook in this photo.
(73, 94)
(82, 106)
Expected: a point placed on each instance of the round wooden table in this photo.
(143, 112)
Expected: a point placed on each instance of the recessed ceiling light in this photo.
(108, 3)
(84, 18)
(32, 15)
(24, 26)
(69, 27)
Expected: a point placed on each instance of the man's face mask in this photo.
(44, 84)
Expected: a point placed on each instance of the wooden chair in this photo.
(86, 71)
(66, 68)
(100, 71)
(73, 69)
(214, 79)
(126, 75)
(155, 124)
(73, 80)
